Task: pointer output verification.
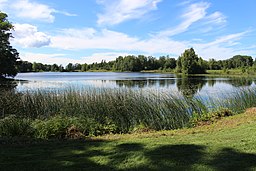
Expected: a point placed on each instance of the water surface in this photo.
(202, 86)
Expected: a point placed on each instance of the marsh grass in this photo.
(123, 109)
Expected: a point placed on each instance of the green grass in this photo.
(229, 144)
(234, 72)
(251, 72)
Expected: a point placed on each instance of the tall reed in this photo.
(126, 108)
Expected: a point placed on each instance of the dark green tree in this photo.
(70, 67)
(8, 55)
(190, 63)
(25, 66)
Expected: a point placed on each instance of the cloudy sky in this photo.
(86, 31)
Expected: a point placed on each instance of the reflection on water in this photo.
(145, 83)
(187, 86)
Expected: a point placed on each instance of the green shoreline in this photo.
(228, 144)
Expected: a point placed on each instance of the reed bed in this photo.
(125, 108)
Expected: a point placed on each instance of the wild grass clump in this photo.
(13, 126)
(100, 111)
(125, 108)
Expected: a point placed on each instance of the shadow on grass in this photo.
(111, 155)
(230, 159)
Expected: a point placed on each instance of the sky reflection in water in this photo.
(204, 87)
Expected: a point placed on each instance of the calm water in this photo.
(192, 86)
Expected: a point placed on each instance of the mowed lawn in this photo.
(229, 144)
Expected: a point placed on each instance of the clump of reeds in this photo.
(124, 108)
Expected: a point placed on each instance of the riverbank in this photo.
(228, 144)
(226, 73)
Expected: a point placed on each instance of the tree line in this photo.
(187, 63)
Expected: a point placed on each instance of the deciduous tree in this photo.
(8, 55)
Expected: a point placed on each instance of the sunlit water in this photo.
(205, 87)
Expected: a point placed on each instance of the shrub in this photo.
(210, 117)
(70, 127)
(13, 126)
(53, 127)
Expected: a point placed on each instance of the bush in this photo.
(208, 118)
(13, 126)
(70, 127)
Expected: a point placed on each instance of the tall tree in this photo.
(8, 55)
(190, 63)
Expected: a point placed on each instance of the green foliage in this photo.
(237, 61)
(13, 126)
(61, 126)
(102, 111)
(55, 127)
(206, 118)
(189, 63)
(8, 55)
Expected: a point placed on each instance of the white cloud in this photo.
(107, 56)
(48, 58)
(196, 12)
(27, 35)
(216, 18)
(118, 11)
(89, 38)
(192, 14)
(227, 39)
(33, 10)
(223, 47)
(65, 13)
(64, 60)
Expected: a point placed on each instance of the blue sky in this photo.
(86, 31)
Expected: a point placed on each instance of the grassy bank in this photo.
(228, 144)
(227, 72)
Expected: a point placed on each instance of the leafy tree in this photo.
(8, 55)
(54, 67)
(170, 63)
(61, 68)
(24, 66)
(84, 67)
(213, 65)
(70, 67)
(190, 63)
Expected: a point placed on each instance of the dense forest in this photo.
(187, 63)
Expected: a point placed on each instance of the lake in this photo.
(202, 86)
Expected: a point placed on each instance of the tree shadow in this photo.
(61, 155)
(230, 159)
(175, 157)
(113, 155)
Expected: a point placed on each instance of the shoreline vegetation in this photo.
(93, 112)
(227, 144)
